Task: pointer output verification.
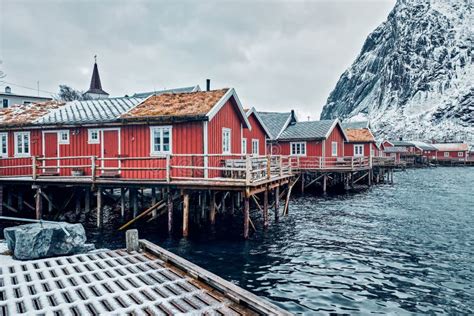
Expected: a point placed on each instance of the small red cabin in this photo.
(254, 140)
(361, 143)
(452, 151)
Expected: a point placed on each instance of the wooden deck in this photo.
(151, 282)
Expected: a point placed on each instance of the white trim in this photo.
(15, 144)
(4, 155)
(256, 141)
(300, 154)
(226, 130)
(206, 148)
(244, 148)
(259, 119)
(101, 139)
(218, 106)
(60, 140)
(360, 146)
(332, 149)
(91, 141)
(153, 152)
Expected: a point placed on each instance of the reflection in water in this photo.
(400, 248)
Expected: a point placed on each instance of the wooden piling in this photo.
(153, 199)
(122, 202)
(325, 183)
(99, 207)
(78, 201)
(170, 211)
(185, 214)
(38, 204)
(277, 203)
(87, 200)
(265, 208)
(246, 216)
(20, 200)
(212, 211)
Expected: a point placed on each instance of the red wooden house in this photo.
(197, 129)
(361, 143)
(254, 140)
(276, 123)
(452, 151)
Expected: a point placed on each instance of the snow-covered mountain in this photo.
(414, 76)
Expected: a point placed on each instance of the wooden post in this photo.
(134, 201)
(203, 206)
(78, 201)
(302, 182)
(170, 211)
(212, 212)
(87, 200)
(99, 207)
(223, 204)
(34, 170)
(277, 203)
(265, 208)
(246, 216)
(122, 202)
(325, 180)
(232, 204)
(153, 200)
(50, 203)
(168, 168)
(185, 214)
(93, 168)
(38, 204)
(269, 167)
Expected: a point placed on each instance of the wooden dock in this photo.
(152, 281)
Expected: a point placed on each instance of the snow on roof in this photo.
(22, 114)
(177, 104)
(423, 145)
(451, 146)
(359, 135)
(90, 111)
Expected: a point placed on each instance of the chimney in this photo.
(208, 84)
(8, 89)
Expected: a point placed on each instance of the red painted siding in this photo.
(257, 132)
(452, 155)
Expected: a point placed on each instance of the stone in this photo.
(42, 240)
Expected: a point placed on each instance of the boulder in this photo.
(41, 240)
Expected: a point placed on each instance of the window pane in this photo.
(19, 147)
(156, 140)
(26, 144)
(166, 140)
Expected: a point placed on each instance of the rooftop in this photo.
(451, 146)
(362, 135)
(26, 114)
(401, 143)
(307, 130)
(423, 145)
(177, 104)
(275, 121)
(398, 149)
(174, 90)
(356, 125)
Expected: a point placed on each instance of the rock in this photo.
(41, 240)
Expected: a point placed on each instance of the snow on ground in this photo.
(5, 258)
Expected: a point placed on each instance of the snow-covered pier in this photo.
(151, 281)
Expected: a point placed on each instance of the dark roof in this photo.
(307, 130)
(90, 111)
(276, 121)
(398, 143)
(174, 90)
(423, 145)
(399, 149)
(96, 85)
(356, 125)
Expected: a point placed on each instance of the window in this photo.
(63, 137)
(255, 147)
(298, 149)
(93, 136)
(3, 145)
(226, 133)
(26, 102)
(22, 144)
(334, 149)
(460, 154)
(160, 140)
(244, 146)
(5, 103)
(446, 154)
(358, 150)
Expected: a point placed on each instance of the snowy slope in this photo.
(414, 76)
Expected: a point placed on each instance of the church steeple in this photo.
(95, 90)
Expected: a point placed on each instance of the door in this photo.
(110, 149)
(51, 151)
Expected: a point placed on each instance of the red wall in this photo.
(453, 155)
(35, 150)
(349, 149)
(257, 132)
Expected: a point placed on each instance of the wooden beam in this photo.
(99, 207)
(154, 207)
(87, 200)
(186, 214)
(325, 183)
(38, 204)
(153, 199)
(277, 203)
(265, 208)
(122, 202)
(11, 208)
(212, 212)
(246, 216)
(170, 211)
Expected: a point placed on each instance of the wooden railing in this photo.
(228, 168)
(384, 162)
(329, 163)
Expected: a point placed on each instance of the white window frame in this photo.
(446, 154)
(23, 153)
(356, 151)
(90, 140)
(161, 129)
(334, 146)
(244, 146)
(295, 151)
(460, 154)
(2, 154)
(226, 144)
(255, 147)
(60, 137)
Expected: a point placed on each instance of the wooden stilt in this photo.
(370, 177)
(232, 204)
(9, 197)
(170, 211)
(223, 204)
(153, 199)
(325, 181)
(212, 212)
(185, 214)
(38, 204)
(122, 202)
(20, 200)
(302, 183)
(134, 198)
(87, 200)
(203, 206)
(246, 216)
(50, 202)
(277, 203)
(99, 207)
(239, 199)
(265, 208)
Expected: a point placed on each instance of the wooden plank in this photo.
(246, 216)
(99, 207)
(212, 211)
(154, 207)
(265, 209)
(38, 204)
(186, 214)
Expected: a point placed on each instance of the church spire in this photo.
(95, 90)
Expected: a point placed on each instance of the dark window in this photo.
(5, 103)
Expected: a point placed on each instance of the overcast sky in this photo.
(277, 54)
